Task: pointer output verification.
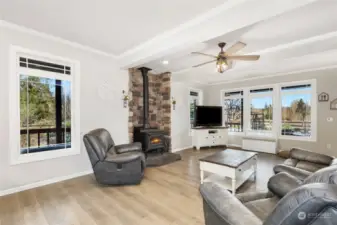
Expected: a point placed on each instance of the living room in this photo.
(102, 115)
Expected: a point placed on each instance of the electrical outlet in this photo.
(328, 146)
(329, 119)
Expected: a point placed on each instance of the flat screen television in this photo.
(208, 116)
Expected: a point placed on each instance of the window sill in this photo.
(41, 156)
(297, 138)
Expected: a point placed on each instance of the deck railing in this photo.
(234, 127)
(37, 137)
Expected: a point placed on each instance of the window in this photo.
(286, 110)
(261, 110)
(45, 102)
(194, 100)
(296, 110)
(45, 114)
(233, 110)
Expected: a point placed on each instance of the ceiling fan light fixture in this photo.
(221, 66)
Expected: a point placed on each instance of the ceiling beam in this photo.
(232, 15)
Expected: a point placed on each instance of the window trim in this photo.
(277, 114)
(250, 96)
(313, 92)
(223, 97)
(200, 96)
(14, 105)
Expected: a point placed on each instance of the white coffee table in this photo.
(229, 168)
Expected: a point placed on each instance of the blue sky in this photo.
(286, 100)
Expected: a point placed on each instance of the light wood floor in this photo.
(167, 195)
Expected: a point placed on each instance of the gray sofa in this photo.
(308, 161)
(286, 202)
(114, 164)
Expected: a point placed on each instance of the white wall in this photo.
(326, 131)
(101, 106)
(180, 117)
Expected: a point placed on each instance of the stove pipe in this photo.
(145, 71)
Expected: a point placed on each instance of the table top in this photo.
(229, 157)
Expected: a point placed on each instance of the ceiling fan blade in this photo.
(243, 57)
(200, 53)
(205, 63)
(235, 48)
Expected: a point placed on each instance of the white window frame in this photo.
(277, 107)
(313, 112)
(14, 107)
(223, 97)
(200, 99)
(264, 133)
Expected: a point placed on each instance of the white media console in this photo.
(207, 137)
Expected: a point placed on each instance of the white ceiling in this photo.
(112, 26)
(301, 39)
(290, 35)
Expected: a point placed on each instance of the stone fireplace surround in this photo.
(159, 101)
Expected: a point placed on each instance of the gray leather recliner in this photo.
(288, 200)
(114, 164)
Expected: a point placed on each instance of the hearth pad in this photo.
(158, 159)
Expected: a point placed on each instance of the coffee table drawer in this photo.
(248, 165)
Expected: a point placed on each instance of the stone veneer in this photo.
(159, 100)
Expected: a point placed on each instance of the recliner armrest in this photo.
(282, 183)
(305, 155)
(334, 162)
(296, 172)
(124, 158)
(221, 207)
(137, 146)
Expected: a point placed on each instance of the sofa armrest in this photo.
(305, 155)
(137, 146)
(296, 172)
(221, 207)
(253, 196)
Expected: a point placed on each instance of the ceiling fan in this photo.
(224, 60)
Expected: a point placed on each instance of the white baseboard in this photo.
(43, 183)
(234, 146)
(180, 149)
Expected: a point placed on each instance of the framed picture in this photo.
(323, 97)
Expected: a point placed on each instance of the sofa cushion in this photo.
(290, 162)
(262, 207)
(309, 166)
(304, 155)
(282, 183)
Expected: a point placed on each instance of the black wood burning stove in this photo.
(151, 138)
